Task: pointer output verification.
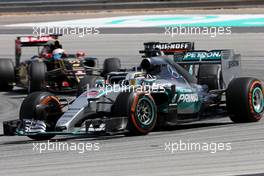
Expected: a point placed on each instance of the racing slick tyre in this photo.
(42, 106)
(210, 75)
(245, 100)
(140, 109)
(86, 80)
(111, 65)
(37, 72)
(7, 74)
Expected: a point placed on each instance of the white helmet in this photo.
(58, 51)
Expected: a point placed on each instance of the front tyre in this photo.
(140, 109)
(37, 72)
(49, 115)
(7, 74)
(111, 65)
(87, 80)
(245, 100)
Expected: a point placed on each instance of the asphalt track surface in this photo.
(142, 155)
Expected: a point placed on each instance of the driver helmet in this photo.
(159, 52)
(58, 53)
(80, 54)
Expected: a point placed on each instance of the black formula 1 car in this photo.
(161, 91)
(42, 71)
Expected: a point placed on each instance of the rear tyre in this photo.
(245, 100)
(140, 109)
(37, 72)
(50, 115)
(86, 80)
(111, 65)
(7, 74)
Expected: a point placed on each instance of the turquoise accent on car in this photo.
(258, 100)
(202, 56)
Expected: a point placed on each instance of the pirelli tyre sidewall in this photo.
(256, 100)
(142, 113)
(245, 100)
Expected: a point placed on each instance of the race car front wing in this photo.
(92, 127)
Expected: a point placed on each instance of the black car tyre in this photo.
(7, 74)
(111, 65)
(87, 80)
(49, 115)
(245, 100)
(37, 73)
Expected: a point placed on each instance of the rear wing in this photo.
(229, 62)
(151, 48)
(207, 57)
(31, 41)
(199, 57)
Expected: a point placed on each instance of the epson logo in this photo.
(203, 54)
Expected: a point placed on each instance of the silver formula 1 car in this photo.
(161, 91)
